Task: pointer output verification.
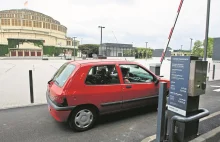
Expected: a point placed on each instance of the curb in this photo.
(211, 136)
(149, 139)
(22, 106)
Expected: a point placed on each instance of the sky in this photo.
(129, 21)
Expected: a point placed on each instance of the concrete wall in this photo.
(216, 49)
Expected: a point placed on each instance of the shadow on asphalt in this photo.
(124, 115)
(113, 118)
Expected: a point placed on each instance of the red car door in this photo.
(139, 88)
(102, 86)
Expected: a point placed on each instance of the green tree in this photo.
(198, 49)
(149, 53)
(210, 47)
(142, 52)
(89, 49)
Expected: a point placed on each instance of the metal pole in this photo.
(209, 68)
(191, 46)
(161, 120)
(213, 74)
(207, 29)
(1, 29)
(74, 48)
(101, 38)
(182, 49)
(101, 42)
(31, 86)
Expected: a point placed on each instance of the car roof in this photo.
(102, 61)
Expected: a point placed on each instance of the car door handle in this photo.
(128, 86)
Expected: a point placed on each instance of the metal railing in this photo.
(174, 119)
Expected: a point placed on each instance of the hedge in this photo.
(3, 50)
(47, 50)
(52, 50)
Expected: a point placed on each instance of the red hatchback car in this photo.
(80, 91)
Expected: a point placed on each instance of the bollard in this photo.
(213, 75)
(209, 68)
(161, 119)
(31, 86)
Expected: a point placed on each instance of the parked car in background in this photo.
(80, 91)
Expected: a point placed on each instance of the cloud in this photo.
(134, 21)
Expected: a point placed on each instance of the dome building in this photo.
(29, 33)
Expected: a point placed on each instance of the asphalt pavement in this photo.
(34, 124)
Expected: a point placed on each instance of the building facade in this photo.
(181, 53)
(116, 50)
(26, 28)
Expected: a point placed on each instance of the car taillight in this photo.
(59, 100)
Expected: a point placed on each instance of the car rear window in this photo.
(63, 73)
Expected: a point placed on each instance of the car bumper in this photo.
(60, 114)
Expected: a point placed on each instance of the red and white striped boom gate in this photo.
(171, 32)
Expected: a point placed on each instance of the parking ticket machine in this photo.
(187, 82)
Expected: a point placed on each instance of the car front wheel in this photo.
(82, 118)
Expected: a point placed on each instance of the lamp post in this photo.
(182, 49)
(101, 38)
(0, 29)
(191, 46)
(207, 29)
(74, 48)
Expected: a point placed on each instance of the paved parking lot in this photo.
(34, 124)
(14, 78)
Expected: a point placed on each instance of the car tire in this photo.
(82, 118)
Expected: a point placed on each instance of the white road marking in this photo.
(210, 116)
(214, 86)
(216, 90)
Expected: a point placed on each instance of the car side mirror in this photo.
(156, 81)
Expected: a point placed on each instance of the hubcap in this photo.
(83, 118)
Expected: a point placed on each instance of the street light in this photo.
(182, 49)
(207, 29)
(191, 45)
(146, 44)
(101, 36)
(74, 47)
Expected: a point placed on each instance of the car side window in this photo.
(104, 74)
(135, 74)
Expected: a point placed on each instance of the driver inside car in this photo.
(125, 73)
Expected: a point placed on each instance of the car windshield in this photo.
(63, 74)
